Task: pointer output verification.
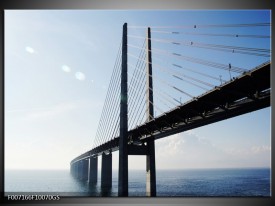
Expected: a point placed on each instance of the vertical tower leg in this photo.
(106, 171)
(150, 158)
(92, 170)
(85, 170)
(151, 170)
(74, 169)
(123, 140)
(75, 172)
(81, 168)
(77, 169)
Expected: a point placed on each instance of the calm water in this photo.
(197, 182)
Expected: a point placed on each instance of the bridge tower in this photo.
(150, 156)
(125, 149)
(123, 139)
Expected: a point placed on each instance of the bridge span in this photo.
(248, 92)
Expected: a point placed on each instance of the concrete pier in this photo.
(73, 166)
(77, 169)
(151, 170)
(106, 170)
(93, 170)
(85, 170)
(71, 169)
(81, 167)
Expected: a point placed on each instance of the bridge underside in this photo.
(250, 92)
(247, 93)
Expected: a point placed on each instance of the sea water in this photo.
(184, 183)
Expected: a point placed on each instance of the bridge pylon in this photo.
(123, 138)
(150, 156)
(126, 149)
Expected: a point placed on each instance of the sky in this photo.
(58, 66)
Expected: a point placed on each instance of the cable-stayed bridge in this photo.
(164, 83)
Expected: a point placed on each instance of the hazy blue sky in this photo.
(58, 66)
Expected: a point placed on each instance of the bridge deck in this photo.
(248, 92)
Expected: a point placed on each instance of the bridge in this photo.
(129, 122)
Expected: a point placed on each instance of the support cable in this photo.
(166, 98)
(191, 70)
(198, 43)
(229, 35)
(132, 112)
(194, 26)
(111, 105)
(97, 139)
(163, 102)
(140, 95)
(137, 87)
(167, 82)
(201, 61)
(197, 60)
(140, 106)
(135, 82)
(185, 76)
(112, 109)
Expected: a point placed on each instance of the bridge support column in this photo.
(93, 170)
(77, 169)
(81, 167)
(73, 166)
(151, 170)
(150, 157)
(74, 169)
(106, 170)
(85, 169)
(123, 139)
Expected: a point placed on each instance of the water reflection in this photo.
(94, 189)
(106, 191)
